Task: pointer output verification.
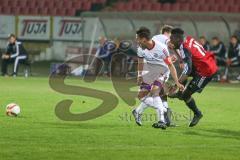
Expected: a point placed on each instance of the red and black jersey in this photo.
(203, 61)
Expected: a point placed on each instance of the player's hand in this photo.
(181, 65)
(139, 80)
(229, 62)
(173, 58)
(180, 86)
(5, 56)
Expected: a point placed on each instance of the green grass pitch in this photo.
(37, 134)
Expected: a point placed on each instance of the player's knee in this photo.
(186, 95)
(142, 94)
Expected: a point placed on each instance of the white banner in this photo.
(67, 28)
(7, 26)
(34, 28)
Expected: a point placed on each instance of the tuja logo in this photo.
(71, 27)
(34, 27)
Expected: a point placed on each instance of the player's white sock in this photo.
(141, 108)
(146, 102)
(157, 103)
(165, 104)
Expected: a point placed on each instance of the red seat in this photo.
(194, 8)
(77, 4)
(32, 4)
(15, 10)
(156, 6)
(6, 10)
(185, 7)
(52, 12)
(58, 4)
(86, 6)
(13, 3)
(43, 11)
(146, 6)
(234, 9)
(204, 8)
(61, 12)
(214, 8)
(24, 10)
(220, 2)
(67, 4)
(230, 2)
(33, 11)
(237, 2)
(70, 12)
(22, 3)
(166, 7)
(5, 3)
(199, 2)
(137, 6)
(120, 6)
(223, 8)
(128, 6)
(211, 3)
(175, 7)
(49, 4)
(40, 4)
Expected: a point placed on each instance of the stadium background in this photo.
(39, 134)
(55, 31)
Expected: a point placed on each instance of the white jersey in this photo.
(161, 38)
(158, 55)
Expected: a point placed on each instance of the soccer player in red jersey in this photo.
(203, 68)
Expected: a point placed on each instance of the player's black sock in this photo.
(192, 105)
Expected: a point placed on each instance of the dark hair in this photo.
(215, 38)
(166, 28)
(177, 31)
(202, 37)
(234, 36)
(144, 32)
(12, 35)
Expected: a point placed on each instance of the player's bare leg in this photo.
(146, 101)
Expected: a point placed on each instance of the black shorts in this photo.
(198, 83)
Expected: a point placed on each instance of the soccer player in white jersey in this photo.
(164, 37)
(152, 75)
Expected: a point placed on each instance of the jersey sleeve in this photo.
(187, 63)
(166, 56)
(18, 45)
(8, 49)
(140, 52)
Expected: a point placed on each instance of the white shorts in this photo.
(154, 72)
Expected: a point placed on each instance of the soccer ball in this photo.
(12, 109)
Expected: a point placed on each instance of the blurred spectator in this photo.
(203, 41)
(233, 54)
(104, 53)
(219, 50)
(15, 53)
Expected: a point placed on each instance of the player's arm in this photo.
(17, 51)
(140, 65)
(173, 72)
(140, 69)
(187, 66)
(8, 53)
